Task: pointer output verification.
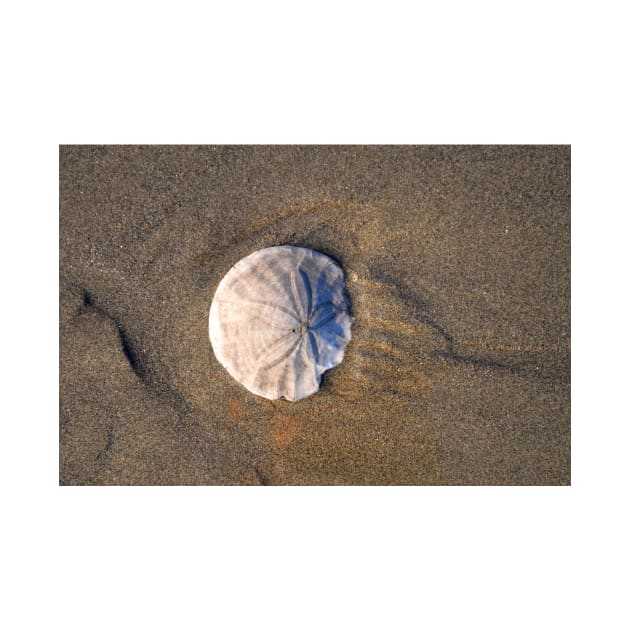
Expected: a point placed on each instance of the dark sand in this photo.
(458, 264)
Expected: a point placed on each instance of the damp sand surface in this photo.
(458, 273)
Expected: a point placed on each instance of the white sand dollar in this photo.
(279, 319)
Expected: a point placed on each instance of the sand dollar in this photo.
(279, 319)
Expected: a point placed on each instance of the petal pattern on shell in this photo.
(279, 319)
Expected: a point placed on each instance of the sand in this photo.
(458, 268)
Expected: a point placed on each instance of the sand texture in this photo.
(458, 273)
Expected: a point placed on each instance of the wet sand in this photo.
(458, 272)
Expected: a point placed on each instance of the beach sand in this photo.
(458, 272)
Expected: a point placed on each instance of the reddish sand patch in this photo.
(284, 429)
(235, 409)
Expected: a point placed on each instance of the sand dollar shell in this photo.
(279, 319)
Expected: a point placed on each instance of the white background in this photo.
(325, 72)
